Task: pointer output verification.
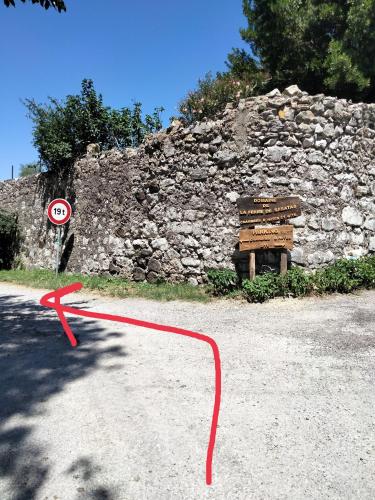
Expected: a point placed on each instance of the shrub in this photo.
(343, 277)
(242, 79)
(29, 169)
(365, 271)
(263, 287)
(346, 275)
(338, 277)
(9, 239)
(296, 283)
(223, 281)
(63, 130)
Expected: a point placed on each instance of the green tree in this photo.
(62, 130)
(56, 4)
(29, 169)
(243, 78)
(321, 45)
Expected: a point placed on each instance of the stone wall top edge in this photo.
(275, 99)
(31, 179)
(178, 131)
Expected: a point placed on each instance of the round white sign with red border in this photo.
(59, 211)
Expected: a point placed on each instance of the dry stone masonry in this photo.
(167, 210)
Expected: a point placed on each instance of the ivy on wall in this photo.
(9, 239)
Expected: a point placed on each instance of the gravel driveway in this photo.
(127, 414)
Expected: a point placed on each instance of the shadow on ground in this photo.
(36, 362)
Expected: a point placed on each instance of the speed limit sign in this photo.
(59, 211)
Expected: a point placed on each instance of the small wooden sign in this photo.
(264, 238)
(260, 210)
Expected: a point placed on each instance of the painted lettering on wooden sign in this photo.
(263, 238)
(258, 210)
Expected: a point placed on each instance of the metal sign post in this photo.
(58, 248)
(59, 212)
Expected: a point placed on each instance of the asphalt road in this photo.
(126, 415)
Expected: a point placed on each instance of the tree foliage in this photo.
(321, 45)
(62, 130)
(56, 4)
(242, 79)
(9, 239)
(29, 169)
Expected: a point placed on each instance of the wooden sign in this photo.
(265, 210)
(263, 238)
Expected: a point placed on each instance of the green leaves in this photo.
(223, 281)
(56, 4)
(29, 169)
(243, 79)
(296, 283)
(321, 45)
(262, 288)
(8, 223)
(342, 72)
(9, 239)
(62, 130)
(345, 276)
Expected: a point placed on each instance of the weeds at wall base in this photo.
(344, 276)
(106, 285)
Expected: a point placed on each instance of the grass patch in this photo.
(107, 285)
(344, 276)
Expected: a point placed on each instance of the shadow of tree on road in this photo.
(84, 470)
(36, 363)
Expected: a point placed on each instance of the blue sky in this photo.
(151, 51)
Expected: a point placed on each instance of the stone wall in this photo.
(28, 197)
(168, 209)
(24, 197)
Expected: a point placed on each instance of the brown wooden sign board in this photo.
(261, 210)
(264, 238)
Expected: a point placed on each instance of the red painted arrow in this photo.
(53, 300)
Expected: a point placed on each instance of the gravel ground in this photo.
(126, 415)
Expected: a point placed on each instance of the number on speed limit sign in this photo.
(59, 211)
